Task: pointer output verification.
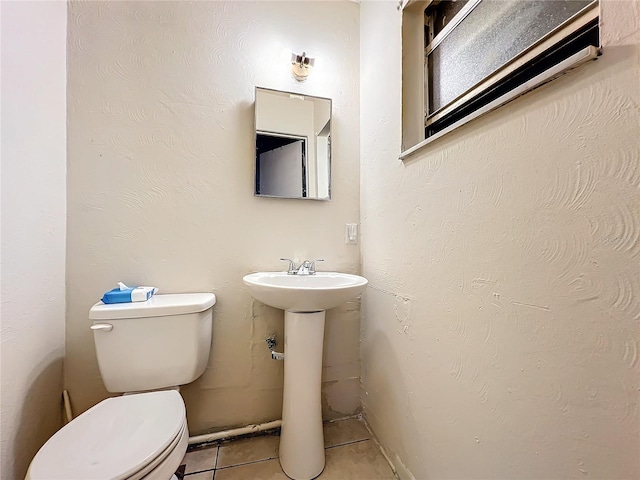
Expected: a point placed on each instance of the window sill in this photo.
(575, 60)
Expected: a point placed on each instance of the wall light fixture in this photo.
(301, 66)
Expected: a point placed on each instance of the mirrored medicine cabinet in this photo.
(292, 145)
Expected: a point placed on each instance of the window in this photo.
(464, 58)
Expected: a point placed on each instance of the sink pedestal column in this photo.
(301, 439)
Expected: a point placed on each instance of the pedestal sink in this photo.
(304, 298)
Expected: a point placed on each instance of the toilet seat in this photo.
(167, 463)
(120, 438)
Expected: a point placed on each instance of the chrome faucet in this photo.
(307, 267)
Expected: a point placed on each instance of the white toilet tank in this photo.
(163, 342)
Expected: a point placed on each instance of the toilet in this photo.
(145, 351)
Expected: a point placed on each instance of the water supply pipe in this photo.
(236, 432)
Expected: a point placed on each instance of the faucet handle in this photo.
(292, 266)
(312, 267)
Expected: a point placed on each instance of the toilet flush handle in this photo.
(107, 327)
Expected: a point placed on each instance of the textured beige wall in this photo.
(33, 228)
(500, 332)
(160, 184)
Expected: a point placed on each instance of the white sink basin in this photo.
(304, 293)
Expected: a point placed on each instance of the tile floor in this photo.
(350, 455)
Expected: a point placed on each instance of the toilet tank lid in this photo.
(156, 306)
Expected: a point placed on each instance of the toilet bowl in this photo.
(141, 347)
(129, 437)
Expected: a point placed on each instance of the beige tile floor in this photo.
(350, 455)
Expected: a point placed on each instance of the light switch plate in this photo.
(351, 234)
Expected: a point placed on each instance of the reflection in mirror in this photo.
(293, 145)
